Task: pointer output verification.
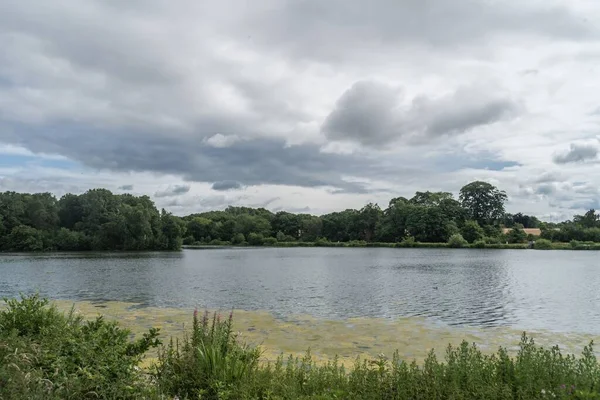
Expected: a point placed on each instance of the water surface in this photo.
(555, 291)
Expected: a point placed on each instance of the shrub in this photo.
(408, 241)
(270, 241)
(457, 241)
(543, 244)
(492, 240)
(471, 231)
(479, 244)
(238, 238)
(206, 364)
(45, 354)
(255, 239)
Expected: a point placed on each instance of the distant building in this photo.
(528, 231)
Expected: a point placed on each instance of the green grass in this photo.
(422, 245)
(48, 355)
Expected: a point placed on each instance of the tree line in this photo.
(95, 220)
(101, 220)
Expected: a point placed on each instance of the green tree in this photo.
(310, 228)
(589, 220)
(255, 239)
(200, 228)
(471, 231)
(516, 234)
(483, 202)
(25, 238)
(238, 238)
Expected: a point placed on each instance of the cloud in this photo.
(226, 185)
(221, 141)
(173, 190)
(126, 187)
(372, 113)
(386, 24)
(288, 96)
(578, 152)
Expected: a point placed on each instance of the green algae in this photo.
(413, 337)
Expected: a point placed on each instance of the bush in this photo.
(471, 231)
(492, 240)
(217, 242)
(255, 239)
(270, 241)
(543, 244)
(457, 241)
(45, 354)
(238, 238)
(189, 240)
(479, 244)
(207, 364)
(408, 241)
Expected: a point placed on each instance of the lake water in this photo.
(557, 291)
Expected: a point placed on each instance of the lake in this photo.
(540, 290)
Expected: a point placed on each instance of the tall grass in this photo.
(48, 355)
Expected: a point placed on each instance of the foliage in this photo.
(516, 235)
(543, 244)
(479, 244)
(208, 363)
(94, 220)
(457, 241)
(484, 202)
(48, 355)
(472, 232)
(101, 220)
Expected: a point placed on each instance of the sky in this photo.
(302, 105)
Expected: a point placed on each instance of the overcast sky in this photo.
(302, 105)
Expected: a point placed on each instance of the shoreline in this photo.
(365, 337)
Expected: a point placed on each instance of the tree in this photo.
(200, 228)
(471, 231)
(430, 199)
(368, 220)
(589, 220)
(238, 238)
(310, 228)
(516, 234)
(255, 239)
(483, 202)
(25, 238)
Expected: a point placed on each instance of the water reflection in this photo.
(484, 288)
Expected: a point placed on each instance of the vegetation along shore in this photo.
(100, 220)
(45, 354)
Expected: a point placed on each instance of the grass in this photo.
(422, 245)
(48, 355)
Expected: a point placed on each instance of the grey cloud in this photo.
(226, 185)
(588, 204)
(250, 162)
(578, 152)
(365, 113)
(545, 189)
(173, 190)
(372, 114)
(126, 187)
(549, 177)
(300, 26)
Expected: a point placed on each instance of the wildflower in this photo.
(195, 313)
